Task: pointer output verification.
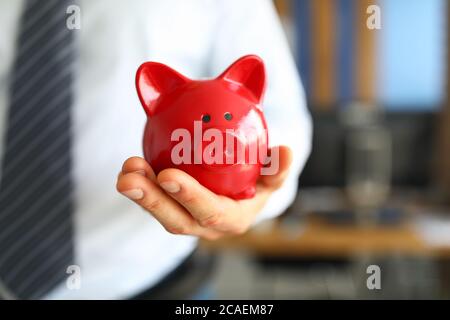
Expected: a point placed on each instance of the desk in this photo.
(321, 239)
(308, 234)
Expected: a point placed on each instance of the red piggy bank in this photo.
(212, 129)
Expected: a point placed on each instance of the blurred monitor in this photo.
(412, 149)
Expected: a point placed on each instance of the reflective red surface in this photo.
(180, 111)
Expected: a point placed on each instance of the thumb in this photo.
(280, 160)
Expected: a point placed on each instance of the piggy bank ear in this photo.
(153, 80)
(249, 72)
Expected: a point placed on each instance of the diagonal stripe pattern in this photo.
(36, 189)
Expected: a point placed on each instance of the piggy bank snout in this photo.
(224, 149)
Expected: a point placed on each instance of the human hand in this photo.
(183, 206)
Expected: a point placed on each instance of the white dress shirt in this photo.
(120, 248)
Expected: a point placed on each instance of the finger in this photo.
(209, 209)
(167, 211)
(281, 156)
(138, 165)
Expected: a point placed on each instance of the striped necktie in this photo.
(36, 205)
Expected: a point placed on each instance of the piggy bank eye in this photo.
(206, 118)
(228, 116)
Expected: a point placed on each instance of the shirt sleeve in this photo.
(253, 27)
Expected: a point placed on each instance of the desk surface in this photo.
(322, 239)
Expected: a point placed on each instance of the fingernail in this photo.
(134, 194)
(170, 186)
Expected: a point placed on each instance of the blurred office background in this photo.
(376, 189)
